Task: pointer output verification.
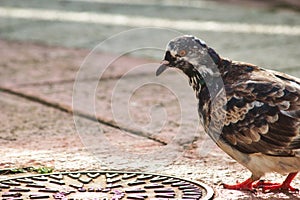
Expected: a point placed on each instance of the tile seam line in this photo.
(62, 81)
(68, 109)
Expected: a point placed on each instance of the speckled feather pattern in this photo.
(253, 115)
(263, 109)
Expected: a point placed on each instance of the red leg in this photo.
(246, 185)
(286, 185)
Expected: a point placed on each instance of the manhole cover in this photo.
(103, 185)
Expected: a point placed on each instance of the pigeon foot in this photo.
(285, 186)
(246, 185)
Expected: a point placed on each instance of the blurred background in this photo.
(250, 30)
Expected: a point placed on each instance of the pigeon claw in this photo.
(273, 187)
(246, 185)
(265, 186)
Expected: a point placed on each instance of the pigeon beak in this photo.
(163, 66)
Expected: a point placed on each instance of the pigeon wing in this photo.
(263, 113)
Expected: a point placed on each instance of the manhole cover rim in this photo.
(209, 190)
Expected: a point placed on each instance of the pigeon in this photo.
(251, 113)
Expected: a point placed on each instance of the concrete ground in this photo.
(128, 119)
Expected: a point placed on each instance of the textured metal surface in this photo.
(103, 185)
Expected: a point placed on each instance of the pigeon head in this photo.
(188, 54)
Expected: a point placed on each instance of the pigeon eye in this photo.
(182, 53)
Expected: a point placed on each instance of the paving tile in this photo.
(147, 104)
(28, 63)
(33, 134)
(125, 80)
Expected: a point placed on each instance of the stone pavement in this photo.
(139, 122)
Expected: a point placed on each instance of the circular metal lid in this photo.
(103, 185)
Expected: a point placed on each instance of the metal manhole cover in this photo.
(103, 185)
